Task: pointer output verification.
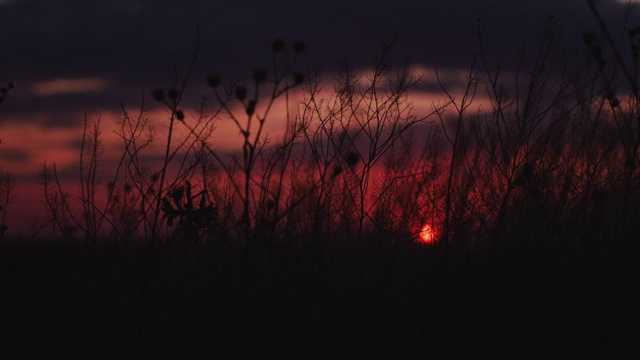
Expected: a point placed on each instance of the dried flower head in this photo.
(271, 204)
(259, 75)
(172, 93)
(588, 38)
(251, 107)
(179, 115)
(352, 158)
(158, 94)
(277, 45)
(240, 92)
(298, 78)
(615, 102)
(299, 46)
(213, 80)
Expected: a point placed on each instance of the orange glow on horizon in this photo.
(70, 86)
(30, 139)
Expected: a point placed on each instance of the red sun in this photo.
(427, 234)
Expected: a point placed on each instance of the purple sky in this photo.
(129, 43)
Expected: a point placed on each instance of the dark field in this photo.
(385, 301)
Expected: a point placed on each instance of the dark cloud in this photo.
(130, 43)
(14, 155)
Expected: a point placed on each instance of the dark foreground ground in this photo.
(383, 301)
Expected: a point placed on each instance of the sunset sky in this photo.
(68, 58)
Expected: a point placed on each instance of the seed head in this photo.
(10, 85)
(277, 45)
(179, 115)
(259, 75)
(299, 46)
(352, 158)
(271, 204)
(614, 102)
(172, 93)
(298, 78)
(588, 38)
(213, 80)
(158, 94)
(241, 92)
(251, 107)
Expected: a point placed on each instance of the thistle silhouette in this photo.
(4, 91)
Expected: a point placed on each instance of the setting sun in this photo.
(427, 234)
